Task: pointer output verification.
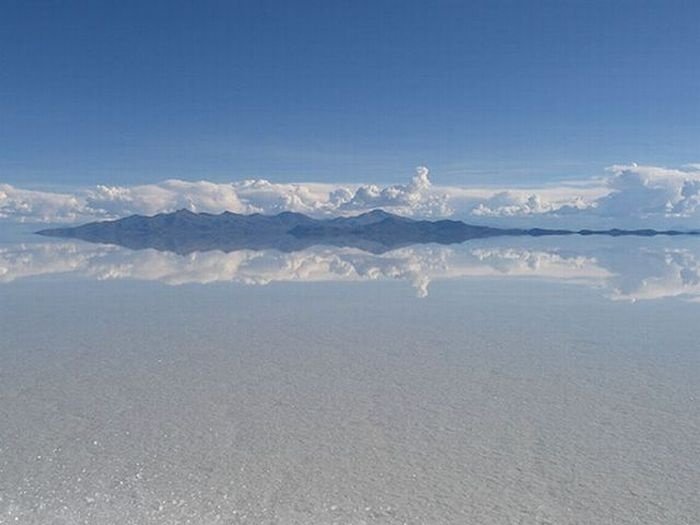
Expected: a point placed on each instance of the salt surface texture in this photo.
(489, 401)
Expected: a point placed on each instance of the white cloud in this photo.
(518, 204)
(40, 206)
(415, 198)
(649, 191)
(629, 195)
(118, 201)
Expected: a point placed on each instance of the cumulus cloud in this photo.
(628, 195)
(518, 204)
(116, 201)
(649, 191)
(40, 206)
(416, 198)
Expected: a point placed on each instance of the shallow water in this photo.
(513, 381)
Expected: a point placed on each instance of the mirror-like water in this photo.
(500, 381)
(628, 268)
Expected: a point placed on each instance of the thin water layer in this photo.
(515, 391)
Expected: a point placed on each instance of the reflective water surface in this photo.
(515, 380)
(629, 268)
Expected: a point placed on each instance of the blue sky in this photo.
(482, 92)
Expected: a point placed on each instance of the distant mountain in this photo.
(377, 231)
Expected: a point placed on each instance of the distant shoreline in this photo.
(376, 231)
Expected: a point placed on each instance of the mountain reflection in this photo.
(628, 269)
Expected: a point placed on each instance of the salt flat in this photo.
(489, 401)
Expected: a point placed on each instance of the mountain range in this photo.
(376, 231)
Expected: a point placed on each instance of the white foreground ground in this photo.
(487, 402)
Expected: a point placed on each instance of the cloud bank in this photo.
(628, 195)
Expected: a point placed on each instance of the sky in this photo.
(491, 96)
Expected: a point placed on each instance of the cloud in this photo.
(40, 206)
(513, 204)
(628, 195)
(118, 201)
(649, 191)
(415, 198)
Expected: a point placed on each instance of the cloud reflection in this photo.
(624, 269)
